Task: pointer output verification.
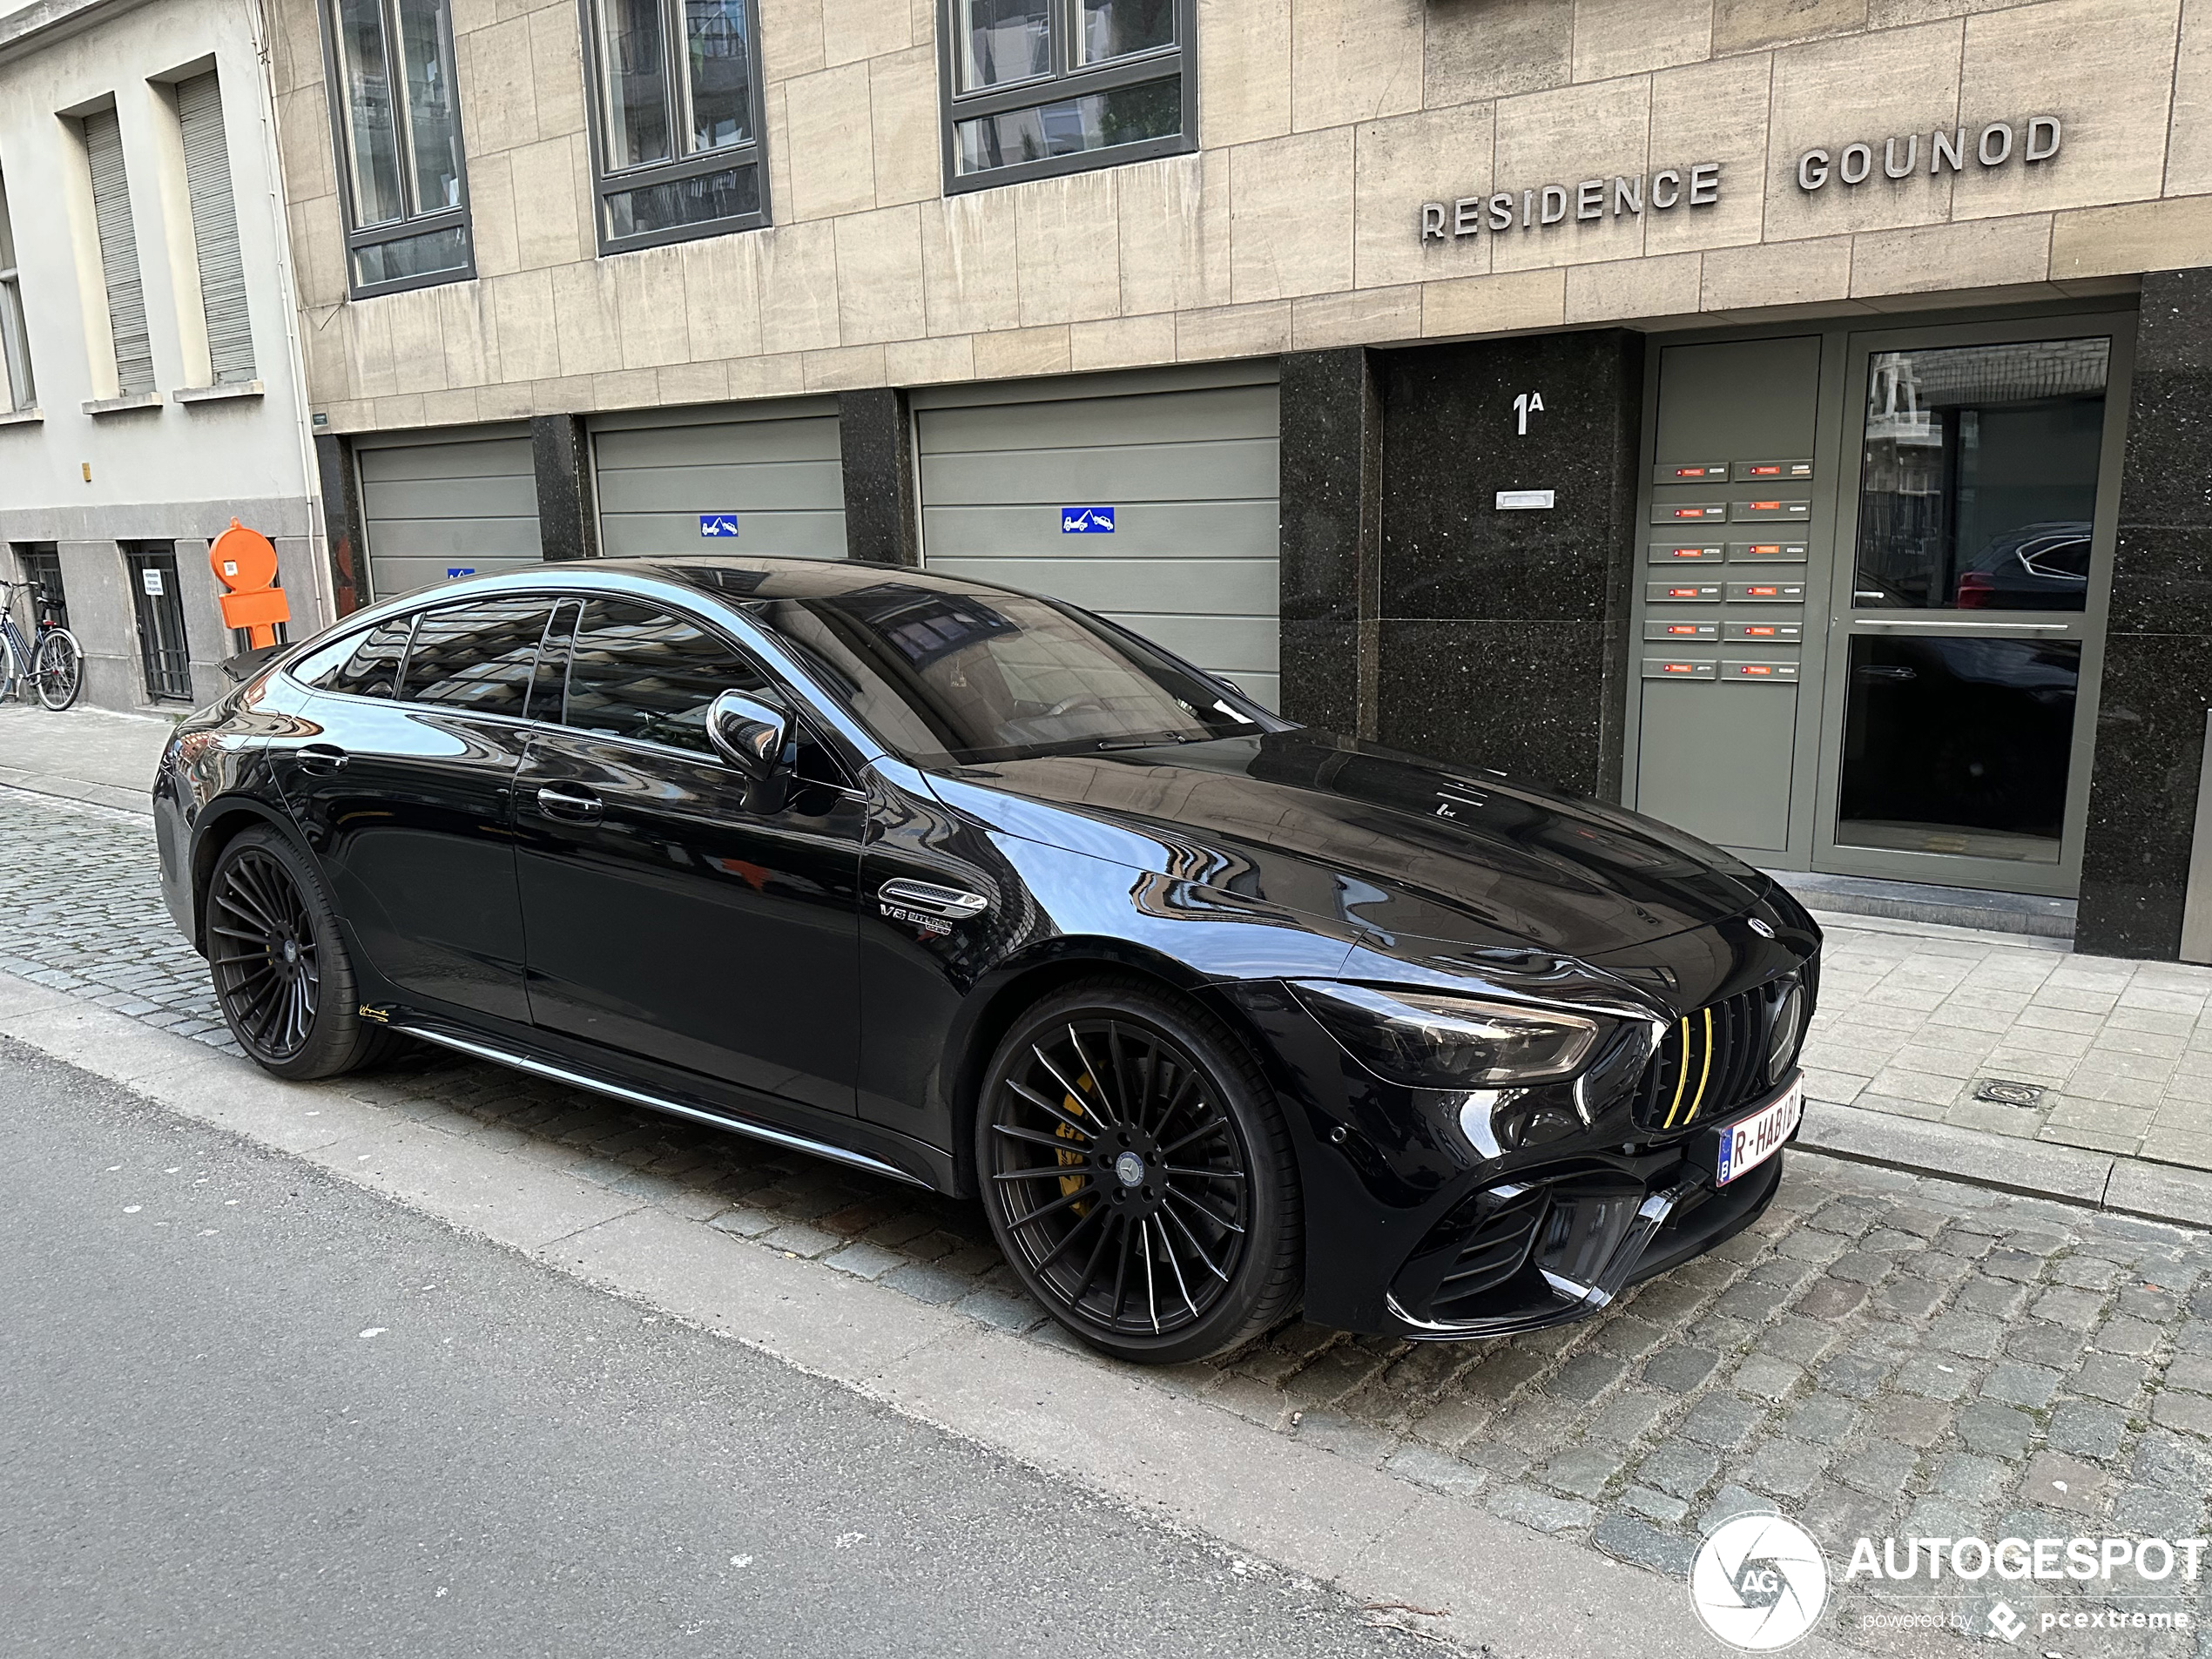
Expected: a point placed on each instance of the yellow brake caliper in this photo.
(1071, 1185)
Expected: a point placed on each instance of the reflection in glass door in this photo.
(1961, 640)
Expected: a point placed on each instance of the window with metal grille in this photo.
(126, 298)
(214, 230)
(42, 569)
(163, 652)
(1039, 87)
(675, 140)
(20, 390)
(396, 118)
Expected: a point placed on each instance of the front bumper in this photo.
(1526, 1254)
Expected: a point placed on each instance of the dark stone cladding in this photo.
(1331, 493)
(875, 437)
(2157, 680)
(341, 524)
(1502, 635)
(568, 523)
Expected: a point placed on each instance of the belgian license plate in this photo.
(1752, 1141)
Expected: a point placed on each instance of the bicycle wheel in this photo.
(10, 669)
(57, 669)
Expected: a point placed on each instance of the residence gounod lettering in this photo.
(1959, 149)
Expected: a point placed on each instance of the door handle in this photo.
(571, 801)
(322, 757)
(953, 904)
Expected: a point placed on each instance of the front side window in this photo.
(1038, 87)
(397, 121)
(640, 672)
(676, 141)
(942, 676)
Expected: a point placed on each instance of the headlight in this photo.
(1784, 1032)
(1430, 1040)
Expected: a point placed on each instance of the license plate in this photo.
(1751, 1141)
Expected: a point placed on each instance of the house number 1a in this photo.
(1526, 404)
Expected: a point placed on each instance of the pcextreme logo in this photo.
(1758, 1583)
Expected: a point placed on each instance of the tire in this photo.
(280, 966)
(1139, 1174)
(57, 669)
(11, 669)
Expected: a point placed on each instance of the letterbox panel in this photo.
(1688, 512)
(1717, 765)
(1760, 472)
(1770, 507)
(1766, 593)
(1681, 593)
(1681, 629)
(1766, 552)
(1691, 472)
(1687, 552)
(1679, 668)
(1767, 673)
(1774, 633)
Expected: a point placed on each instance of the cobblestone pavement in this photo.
(1884, 1354)
(1914, 1019)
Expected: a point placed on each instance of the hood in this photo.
(1391, 843)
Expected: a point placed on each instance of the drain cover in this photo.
(2009, 1094)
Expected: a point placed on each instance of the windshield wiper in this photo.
(1155, 740)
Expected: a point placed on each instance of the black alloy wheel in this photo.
(280, 972)
(1138, 1174)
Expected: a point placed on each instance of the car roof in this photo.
(741, 577)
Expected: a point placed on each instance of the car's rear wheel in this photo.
(1138, 1174)
(280, 970)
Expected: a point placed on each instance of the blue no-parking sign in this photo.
(1086, 521)
(718, 523)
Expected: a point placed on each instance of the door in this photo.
(762, 483)
(401, 773)
(437, 508)
(667, 915)
(1981, 474)
(1158, 509)
(162, 653)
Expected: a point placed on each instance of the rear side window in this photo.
(479, 658)
(639, 672)
(364, 664)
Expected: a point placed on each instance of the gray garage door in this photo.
(449, 506)
(681, 485)
(1191, 478)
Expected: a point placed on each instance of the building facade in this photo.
(151, 390)
(1785, 416)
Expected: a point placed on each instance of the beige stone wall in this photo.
(1325, 125)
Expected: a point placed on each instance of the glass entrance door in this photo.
(1981, 471)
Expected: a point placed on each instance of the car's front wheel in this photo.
(281, 974)
(1138, 1173)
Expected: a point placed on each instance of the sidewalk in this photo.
(85, 754)
(2108, 1062)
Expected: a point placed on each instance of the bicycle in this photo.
(54, 667)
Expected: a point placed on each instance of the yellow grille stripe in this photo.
(1682, 1077)
(1704, 1071)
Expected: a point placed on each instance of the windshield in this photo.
(957, 676)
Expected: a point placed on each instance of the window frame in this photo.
(411, 225)
(1064, 80)
(606, 181)
(18, 374)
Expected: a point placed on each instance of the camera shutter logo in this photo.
(1759, 1582)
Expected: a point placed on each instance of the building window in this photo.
(397, 122)
(1039, 87)
(215, 229)
(20, 391)
(126, 297)
(676, 137)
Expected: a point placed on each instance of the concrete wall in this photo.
(179, 470)
(1325, 125)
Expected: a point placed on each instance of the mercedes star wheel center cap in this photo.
(1130, 1167)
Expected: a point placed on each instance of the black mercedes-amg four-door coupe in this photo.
(1217, 1015)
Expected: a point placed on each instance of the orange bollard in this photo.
(244, 562)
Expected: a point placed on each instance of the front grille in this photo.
(1710, 1062)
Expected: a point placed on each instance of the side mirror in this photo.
(748, 733)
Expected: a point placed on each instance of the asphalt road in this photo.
(245, 1409)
